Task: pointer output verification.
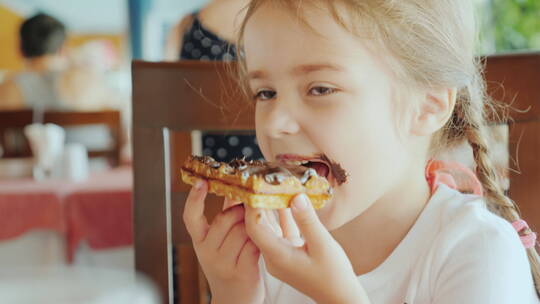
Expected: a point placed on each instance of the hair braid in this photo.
(473, 118)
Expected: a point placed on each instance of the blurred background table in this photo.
(64, 222)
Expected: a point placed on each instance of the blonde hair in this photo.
(433, 43)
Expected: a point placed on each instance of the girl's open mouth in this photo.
(322, 168)
(320, 163)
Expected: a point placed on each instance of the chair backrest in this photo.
(172, 100)
(16, 120)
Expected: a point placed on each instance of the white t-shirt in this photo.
(456, 252)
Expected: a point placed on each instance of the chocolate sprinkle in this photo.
(275, 178)
(239, 164)
(307, 175)
(275, 175)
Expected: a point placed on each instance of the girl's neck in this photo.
(371, 237)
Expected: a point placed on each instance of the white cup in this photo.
(47, 143)
(74, 163)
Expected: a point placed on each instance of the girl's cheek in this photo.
(262, 139)
(333, 118)
(263, 145)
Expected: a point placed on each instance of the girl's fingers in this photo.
(222, 224)
(233, 244)
(272, 246)
(194, 219)
(228, 203)
(288, 225)
(311, 228)
(249, 256)
(270, 218)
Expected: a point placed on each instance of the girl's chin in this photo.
(329, 218)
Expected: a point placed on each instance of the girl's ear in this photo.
(434, 111)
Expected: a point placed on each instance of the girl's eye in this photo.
(321, 91)
(263, 95)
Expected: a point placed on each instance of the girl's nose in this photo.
(281, 121)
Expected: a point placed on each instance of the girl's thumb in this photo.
(308, 222)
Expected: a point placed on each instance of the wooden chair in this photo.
(16, 120)
(171, 100)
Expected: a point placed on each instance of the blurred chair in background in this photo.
(12, 122)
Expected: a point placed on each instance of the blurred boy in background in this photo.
(49, 81)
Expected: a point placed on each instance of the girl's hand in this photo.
(319, 268)
(228, 258)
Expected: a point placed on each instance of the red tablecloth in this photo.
(101, 212)
(26, 204)
(32, 210)
(98, 210)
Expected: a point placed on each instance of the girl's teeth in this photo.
(296, 162)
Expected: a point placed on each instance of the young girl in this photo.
(381, 88)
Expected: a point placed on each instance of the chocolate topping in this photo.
(337, 171)
(273, 173)
(274, 176)
(276, 173)
(239, 164)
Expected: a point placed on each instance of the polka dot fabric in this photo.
(201, 44)
(227, 147)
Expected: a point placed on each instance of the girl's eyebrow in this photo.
(299, 70)
(259, 74)
(311, 68)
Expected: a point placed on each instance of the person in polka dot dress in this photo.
(207, 35)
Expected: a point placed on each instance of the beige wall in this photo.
(10, 58)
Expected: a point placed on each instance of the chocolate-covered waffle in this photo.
(257, 183)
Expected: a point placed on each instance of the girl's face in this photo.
(324, 93)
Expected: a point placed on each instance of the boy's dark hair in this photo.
(41, 35)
